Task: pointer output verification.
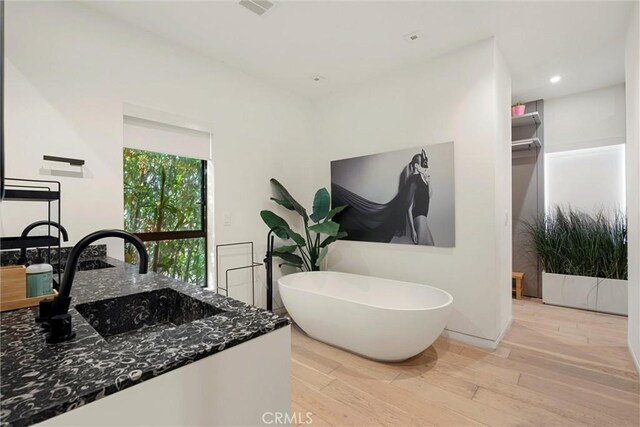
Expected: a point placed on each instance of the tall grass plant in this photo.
(569, 241)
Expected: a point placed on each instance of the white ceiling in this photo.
(350, 41)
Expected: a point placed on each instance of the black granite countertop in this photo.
(40, 381)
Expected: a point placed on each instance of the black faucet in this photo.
(56, 312)
(268, 264)
(23, 252)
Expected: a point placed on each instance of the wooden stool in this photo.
(516, 279)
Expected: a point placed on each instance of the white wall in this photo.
(584, 120)
(584, 150)
(461, 97)
(69, 72)
(589, 179)
(632, 78)
(503, 205)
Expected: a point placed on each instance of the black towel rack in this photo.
(242, 267)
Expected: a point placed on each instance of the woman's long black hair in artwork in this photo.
(365, 220)
(410, 169)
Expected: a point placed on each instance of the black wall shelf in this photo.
(35, 190)
(72, 162)
(31, 195)
(28, 242)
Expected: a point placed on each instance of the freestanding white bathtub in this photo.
(381, 319)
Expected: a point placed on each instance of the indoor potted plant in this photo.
(584, 259)
(517, 109)
(319, 229)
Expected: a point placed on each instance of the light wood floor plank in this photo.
(511, 390)
(578, 370)
(306, 417)
(378, 409)
(552, 375)
(377, 370)
(481, 413)
(562, 407)
(309, 375)
(594, 401)
(313, 359)
(327, 408)
(533, 415)
(520, 335)
(429, 414)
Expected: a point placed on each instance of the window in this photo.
(165, 205)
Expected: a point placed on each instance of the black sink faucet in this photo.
(23, 252)
(56, 313)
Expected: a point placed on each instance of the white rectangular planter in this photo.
(588, 293)
(612, 296)
(569, 291)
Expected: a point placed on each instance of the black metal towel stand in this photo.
(226, 272)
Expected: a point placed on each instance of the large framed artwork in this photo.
(405, 196)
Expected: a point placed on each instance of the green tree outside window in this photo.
(164, 201)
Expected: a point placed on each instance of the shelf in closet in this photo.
(529, 119)
(525, 144)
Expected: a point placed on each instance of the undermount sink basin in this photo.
(144, 312)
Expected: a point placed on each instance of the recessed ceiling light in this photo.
(555, 79)
(318, 79)
(411, 37)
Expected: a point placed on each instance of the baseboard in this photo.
(475, 340)
(634, 356)
(504, 331)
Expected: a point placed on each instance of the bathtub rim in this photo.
(300, 273)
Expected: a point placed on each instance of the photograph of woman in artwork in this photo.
(416, 191)
(405, 218)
